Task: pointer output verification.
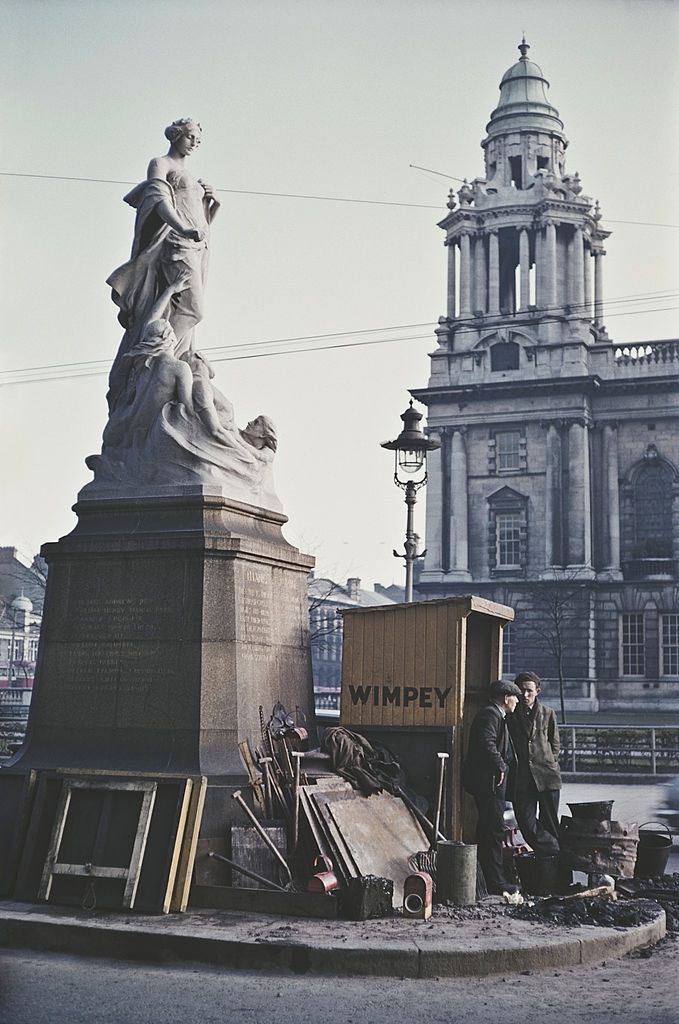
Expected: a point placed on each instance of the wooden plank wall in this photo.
(404, 648)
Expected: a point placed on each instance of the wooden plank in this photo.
(187, 859)
(367, 678)
(314, 825)
(381, 834)
(399, 662)
(262, 901)
(253, 775)
(410, 613)
(336, 852)
(55, 843)
(356, 670)
(388, 663)
(343, 859)
(377, 673)
(92, 871)
(176, 849)
(441, 678)
(346, 711)
(143, 825)
(422, 637)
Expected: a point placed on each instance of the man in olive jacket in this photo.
(484, 775)
(536, 778)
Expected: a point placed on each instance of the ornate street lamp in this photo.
(410, 473)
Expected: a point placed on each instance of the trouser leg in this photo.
(489, 835)
(525, 804)
(549, 811)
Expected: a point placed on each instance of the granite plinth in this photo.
(168, 621)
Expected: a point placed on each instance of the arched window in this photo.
(504, 356)
(653, 511)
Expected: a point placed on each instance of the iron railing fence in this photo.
(648, 750)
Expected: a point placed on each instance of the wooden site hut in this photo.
(414, 676)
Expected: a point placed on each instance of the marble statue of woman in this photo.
(174, 213)
(169, 426)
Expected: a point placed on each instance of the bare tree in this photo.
(323, 628)
(556, 610)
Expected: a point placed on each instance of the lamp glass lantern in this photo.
(410, 473)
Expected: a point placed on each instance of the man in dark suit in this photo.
(536, 778)
(486, 766)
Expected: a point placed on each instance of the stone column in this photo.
(452, 259)
(579, 506)
(578, 271)
(587, 284)
(550, 265)
(524, 269)
(612, 496)
(539, 268)
(434, 513)
(598, 287)
(552, 492)
(480, 274)
(465, 276)
(493, 273)
(459, 550)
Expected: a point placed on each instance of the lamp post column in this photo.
(411, 539)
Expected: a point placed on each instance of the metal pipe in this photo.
(422, 818)
(265, 762)
(443, 757)
(246, 871)
(297, 755)
(260, 831)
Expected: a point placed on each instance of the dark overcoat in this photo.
(489, 751)
(538, 752)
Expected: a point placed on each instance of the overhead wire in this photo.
(302, 195)
(93, 368)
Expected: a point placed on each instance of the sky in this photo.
(313, 98)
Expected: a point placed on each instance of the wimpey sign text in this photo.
(399, 696)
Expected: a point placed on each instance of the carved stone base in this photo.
(168, 622)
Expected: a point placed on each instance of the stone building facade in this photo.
(556, 487)
(327, 600)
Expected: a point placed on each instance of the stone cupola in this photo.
(525, 247)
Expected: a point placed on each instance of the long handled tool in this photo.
(422, 818)
(246, 871)
(265, 762)
(260, 831)
(443, 757)
(296, 755)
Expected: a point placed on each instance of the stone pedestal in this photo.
(168, 621)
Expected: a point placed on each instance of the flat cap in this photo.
(504, 688)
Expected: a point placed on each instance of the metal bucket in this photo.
(540, 876)
(653, 851)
